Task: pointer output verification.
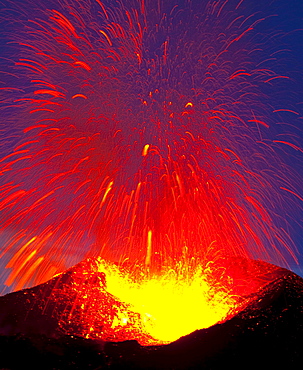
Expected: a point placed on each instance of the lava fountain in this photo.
(139, 132)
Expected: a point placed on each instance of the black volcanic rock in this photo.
(266, 334)
(43, 308)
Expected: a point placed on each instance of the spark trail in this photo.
(138, 131)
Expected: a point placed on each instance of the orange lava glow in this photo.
(115, 306)
(169, 306)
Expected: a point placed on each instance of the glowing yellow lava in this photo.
(169, 306)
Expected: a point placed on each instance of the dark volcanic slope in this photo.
(266, 334)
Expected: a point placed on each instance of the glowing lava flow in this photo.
(99, 300)
(110, 304)
(169, 306)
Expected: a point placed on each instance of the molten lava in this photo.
(113, 303)
(169, 306)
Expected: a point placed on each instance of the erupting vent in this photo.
(153, 310)
(111, 303)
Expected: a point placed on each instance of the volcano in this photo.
(72, 322)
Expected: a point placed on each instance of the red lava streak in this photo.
(136, 131)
